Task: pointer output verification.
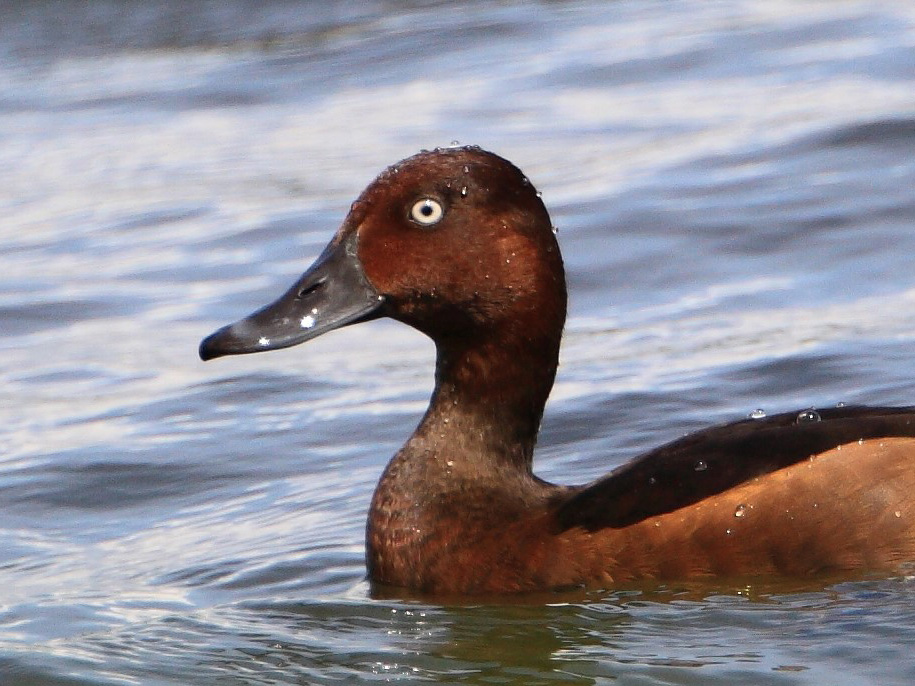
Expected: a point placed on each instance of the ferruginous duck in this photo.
(456, 243)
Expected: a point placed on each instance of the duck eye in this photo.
(427, 212)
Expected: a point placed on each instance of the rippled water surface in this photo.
(733, 183)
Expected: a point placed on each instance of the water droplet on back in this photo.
(464, 192)
(808, 416)
(758, 413)
(740, 511)
(700, 466)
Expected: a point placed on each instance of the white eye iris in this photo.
(427, 211)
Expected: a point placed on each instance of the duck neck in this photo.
(488, 401)
(481, 426)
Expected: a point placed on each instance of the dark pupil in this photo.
(426, 210)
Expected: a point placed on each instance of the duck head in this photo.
(454, 242)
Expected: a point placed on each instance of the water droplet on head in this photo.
(555, 230)
(740, 511)
(652, 481)
(808, 416)
(466, 169)
(464, 192)
(840, 404)
(700, 466)
(758, 413)
(898, 514)
(307, 322)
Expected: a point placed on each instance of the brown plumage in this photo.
(457, 244)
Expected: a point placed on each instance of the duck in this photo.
(457, 243)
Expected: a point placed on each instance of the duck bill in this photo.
(333, 292)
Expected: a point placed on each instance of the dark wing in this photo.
(711, 461)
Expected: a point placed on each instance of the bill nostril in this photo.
(308, 290)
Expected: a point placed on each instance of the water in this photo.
(732, 184)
